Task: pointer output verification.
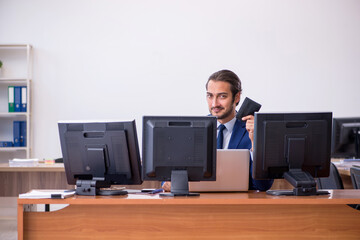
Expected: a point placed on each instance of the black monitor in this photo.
(179, 149)
(346, 138)
(294, 146)
(100, 154)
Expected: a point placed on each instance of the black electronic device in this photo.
(100, 154)
(59, 160)
(294, 146)
(180, 149)
(248, 107)
(346, 138)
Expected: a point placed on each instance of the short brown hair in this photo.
(229, 77)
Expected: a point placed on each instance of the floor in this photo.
(8, 223)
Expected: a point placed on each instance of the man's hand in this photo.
(250, 127)
(167, 186)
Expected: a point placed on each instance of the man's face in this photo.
(220, 100)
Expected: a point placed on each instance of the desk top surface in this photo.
(251, 197)
(42, 167)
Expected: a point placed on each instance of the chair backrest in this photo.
(334, 180)
(355, 177)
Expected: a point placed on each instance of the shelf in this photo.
(14, 46)
(13, 114)
(12, 149)
(11, 80)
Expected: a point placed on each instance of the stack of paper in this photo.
(59, 194)
(16, 162)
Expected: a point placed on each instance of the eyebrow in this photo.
(217, 93)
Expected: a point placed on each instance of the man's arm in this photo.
(250, 128)
(261, 185)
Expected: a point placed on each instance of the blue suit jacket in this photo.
(240, 140)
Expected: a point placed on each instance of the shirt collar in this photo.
(229, 125)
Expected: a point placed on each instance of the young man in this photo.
(223, 91)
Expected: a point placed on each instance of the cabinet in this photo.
(16, 71)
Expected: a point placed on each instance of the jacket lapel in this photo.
(237, 135)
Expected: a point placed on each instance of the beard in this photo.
(226, 114)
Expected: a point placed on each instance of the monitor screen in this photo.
(99, 154)
(179, 149)
(346, 138)
(294, 146)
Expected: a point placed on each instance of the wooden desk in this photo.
(42, 167)
(16, 180)
(252, 215)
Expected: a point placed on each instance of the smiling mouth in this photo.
(216, 109)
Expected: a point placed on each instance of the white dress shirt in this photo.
(229, 126)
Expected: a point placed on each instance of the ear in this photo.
(237, 98)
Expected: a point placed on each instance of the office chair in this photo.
(334, 180)
(355, 177)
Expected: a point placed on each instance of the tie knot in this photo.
(221, 127)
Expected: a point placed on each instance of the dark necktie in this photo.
(220, 138)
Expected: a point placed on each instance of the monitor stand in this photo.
(179, 185)
(304, 185)
(92, 188)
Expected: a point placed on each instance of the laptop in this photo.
(232, 173)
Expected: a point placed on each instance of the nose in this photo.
(214, 102)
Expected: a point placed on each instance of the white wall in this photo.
(125, 59)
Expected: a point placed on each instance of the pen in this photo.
(157, 191)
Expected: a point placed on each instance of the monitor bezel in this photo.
(122, 126)
(295, 120)
(337, 144)
(149, 160)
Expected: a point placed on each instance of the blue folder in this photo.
(16, 133)
(17, 98)
(22, 133)
(6, 144)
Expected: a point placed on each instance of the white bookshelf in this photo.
(16, 71)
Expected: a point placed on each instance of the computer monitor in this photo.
(294, 146)
(346, 138)
(98, 154)
(179, 149)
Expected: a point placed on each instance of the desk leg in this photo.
(20, 221)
